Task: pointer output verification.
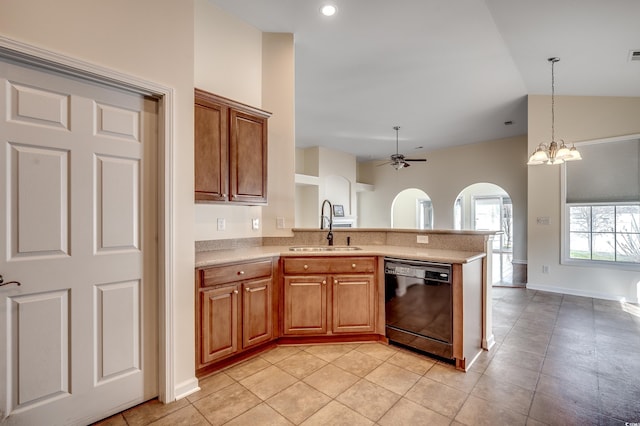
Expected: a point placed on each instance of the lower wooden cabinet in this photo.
(257, 312)
(219, 323)
(240, 309)
(353, 303)
(341, 301)
(234, 309)
(305, 305)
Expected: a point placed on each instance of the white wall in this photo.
(237, 61)
(446, 173)
(578, 118)
(152, 40)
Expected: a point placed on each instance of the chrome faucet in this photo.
(323, 217)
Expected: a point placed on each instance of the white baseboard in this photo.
(186, 388)
(488, 343)
(578, 292)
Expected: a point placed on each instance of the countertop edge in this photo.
(219, 257)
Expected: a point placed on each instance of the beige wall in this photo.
(151, 40)
(278, 92)
(446, 173)
(578, 118)
(237, 61)
(336, 173)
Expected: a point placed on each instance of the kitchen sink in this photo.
(324, 248)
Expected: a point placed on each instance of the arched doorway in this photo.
(412, 209)
(488, 207)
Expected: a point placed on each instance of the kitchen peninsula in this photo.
(254, 293)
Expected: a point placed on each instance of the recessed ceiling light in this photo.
(328, 10)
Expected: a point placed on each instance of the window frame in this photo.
(565, 234)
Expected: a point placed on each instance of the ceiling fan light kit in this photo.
(398, 161)
(553, 153)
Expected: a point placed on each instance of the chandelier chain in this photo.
(553, 102)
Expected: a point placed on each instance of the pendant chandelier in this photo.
(553, 153)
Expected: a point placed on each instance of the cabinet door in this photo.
(256, 312)
(211, 155)
(219, 310)
(353, 303)
(248, 158)
(305, 305)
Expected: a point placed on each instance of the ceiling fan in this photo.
(398, 161)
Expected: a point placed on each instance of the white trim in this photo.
(577, 292)
(186, 388)
(519, 261)
(47, 59)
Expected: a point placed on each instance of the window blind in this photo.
(609, 172)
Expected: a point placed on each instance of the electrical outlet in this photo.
(545, 269)
(255, 224)
(222, 224)
(280, 222)
(422, 239)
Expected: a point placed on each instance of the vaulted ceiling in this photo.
(448, 72)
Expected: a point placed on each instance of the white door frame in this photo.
(47, 60)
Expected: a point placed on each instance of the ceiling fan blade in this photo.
(384, 164)
(415, 159)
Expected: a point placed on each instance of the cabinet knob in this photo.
(324, 282)
(235, 291)
(224, 195)
(306, 266)
(247, 289)
(353, 265)
(240, 272)
(335, 281)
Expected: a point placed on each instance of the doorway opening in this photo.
(412, 209)
(488, 207)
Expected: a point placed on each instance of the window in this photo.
(604, 232)
(602, 204)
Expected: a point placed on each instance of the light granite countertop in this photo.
(216, 257)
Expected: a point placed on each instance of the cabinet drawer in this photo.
(324, 265)
(238, 272)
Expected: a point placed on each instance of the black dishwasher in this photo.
(418, 305)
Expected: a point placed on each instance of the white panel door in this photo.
(78, 337)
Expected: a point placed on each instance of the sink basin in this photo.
(324, 248)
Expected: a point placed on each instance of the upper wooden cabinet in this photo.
(230, 150)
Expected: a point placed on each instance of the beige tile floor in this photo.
(558, 360)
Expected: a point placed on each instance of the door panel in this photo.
(38, 182)
(77, 176)
(117, 203)
(38, 106)
(117, 332)
(38, 344)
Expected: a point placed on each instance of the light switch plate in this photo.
(222, 224)
(255, 224)
(543, 220)
(280, 222)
